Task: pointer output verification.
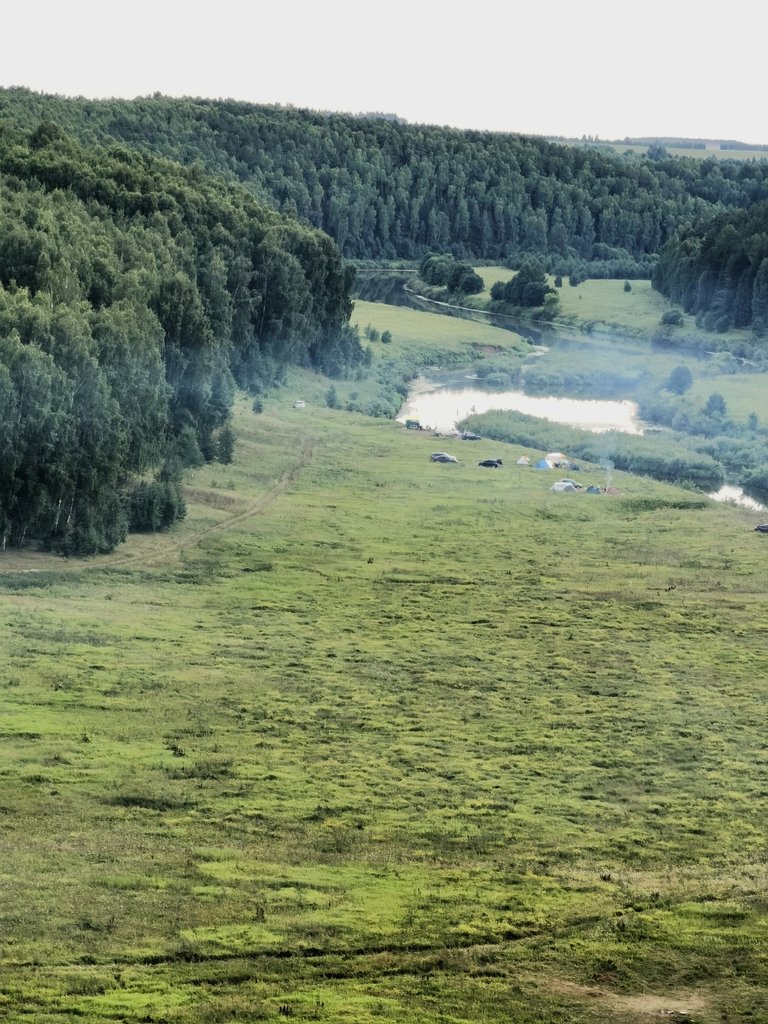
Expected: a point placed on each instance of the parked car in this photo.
(442, 457)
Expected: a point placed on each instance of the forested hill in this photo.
(718, 270)
(386, 189)
(133, 293)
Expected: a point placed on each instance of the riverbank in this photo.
(727, 429)
(604, 308)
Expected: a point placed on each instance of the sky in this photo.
(675, 68)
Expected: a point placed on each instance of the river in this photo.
(736, 496)
(441, 400)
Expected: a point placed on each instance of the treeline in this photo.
(134, 294)
(718, 270)
(384, 189)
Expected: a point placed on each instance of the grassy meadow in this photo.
(601, 303)
(423, 338)
(368, 738)
(428, 339)
(606, 303)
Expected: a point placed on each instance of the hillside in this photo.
(373, 738)
(309, 726)
(384, 189)
(718, 271)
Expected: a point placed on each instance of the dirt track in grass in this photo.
(162, 547)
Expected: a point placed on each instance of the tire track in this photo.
(164, 551)
(235, 519)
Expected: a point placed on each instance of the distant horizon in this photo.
(569, 71)
(625, 137)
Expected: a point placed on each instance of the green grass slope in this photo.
(603, 304)
(371, 738)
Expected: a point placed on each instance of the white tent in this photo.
(523, 461)
(556, 457)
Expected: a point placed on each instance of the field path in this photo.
(166, 546)
(487, 316)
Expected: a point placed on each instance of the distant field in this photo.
(422, 334)
(699, 154)
(603, 302)
(607, 302)
(712, 150)
(604, 307)
(490, 276)
(744, 393)
(370, 738)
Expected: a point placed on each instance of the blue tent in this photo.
(543, 464)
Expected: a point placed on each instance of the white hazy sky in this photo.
(563, 67)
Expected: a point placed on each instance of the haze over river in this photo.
(440, 400)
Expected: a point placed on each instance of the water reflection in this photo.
(736, 496)
(441, 401)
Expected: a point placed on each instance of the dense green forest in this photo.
(133, 295)
(718, 269)
(386, 189)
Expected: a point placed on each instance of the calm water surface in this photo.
(441, 400)
(737, 497)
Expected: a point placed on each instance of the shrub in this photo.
(551, 306)
(680, 380)
(450, 273)
(155, 506)
(755, 483)
(527, 288)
